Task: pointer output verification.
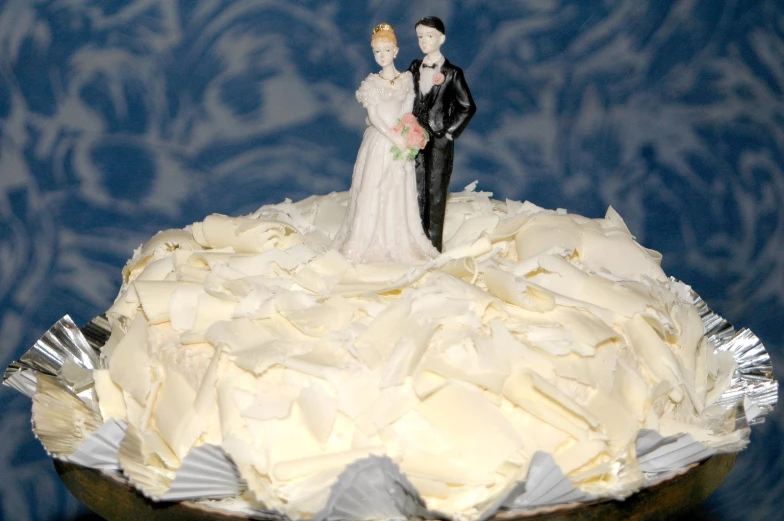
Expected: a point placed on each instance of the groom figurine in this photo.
(443, 106)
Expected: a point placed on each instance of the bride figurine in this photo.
(382, 222)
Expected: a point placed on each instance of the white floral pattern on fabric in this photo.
(375, 89)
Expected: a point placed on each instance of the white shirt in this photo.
(426, 74)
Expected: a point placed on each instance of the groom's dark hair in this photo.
(434, 22)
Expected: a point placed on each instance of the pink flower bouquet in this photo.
(416, 137)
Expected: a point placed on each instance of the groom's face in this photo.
(430, 39)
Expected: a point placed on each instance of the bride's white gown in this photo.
(382, 222)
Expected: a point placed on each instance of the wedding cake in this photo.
(534, 331)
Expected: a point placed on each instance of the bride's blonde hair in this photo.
(383, 33)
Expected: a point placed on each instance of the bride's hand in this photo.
(399, 141)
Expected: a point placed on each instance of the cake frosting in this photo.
(535, 330)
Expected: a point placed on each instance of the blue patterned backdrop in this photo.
(120, 118)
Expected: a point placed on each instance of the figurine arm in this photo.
(464, 107)
(408, 103)
(378, 123)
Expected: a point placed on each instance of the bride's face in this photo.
(384, 53)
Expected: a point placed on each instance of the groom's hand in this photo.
(442, 139)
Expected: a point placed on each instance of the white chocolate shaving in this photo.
(131, 366)
(291, 469)
(175, 416)
(110, 395)
(535, 330)
(320, 410)
(471, 425)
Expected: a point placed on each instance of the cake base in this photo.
(114, 499)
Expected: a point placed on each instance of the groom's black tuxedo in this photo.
(444, 111)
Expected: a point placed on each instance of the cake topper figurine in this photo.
(443, 106)
(382, 222)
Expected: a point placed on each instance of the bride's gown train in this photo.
(382, 222)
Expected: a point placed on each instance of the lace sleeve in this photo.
(367, 93)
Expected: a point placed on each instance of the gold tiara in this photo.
(382, 27)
